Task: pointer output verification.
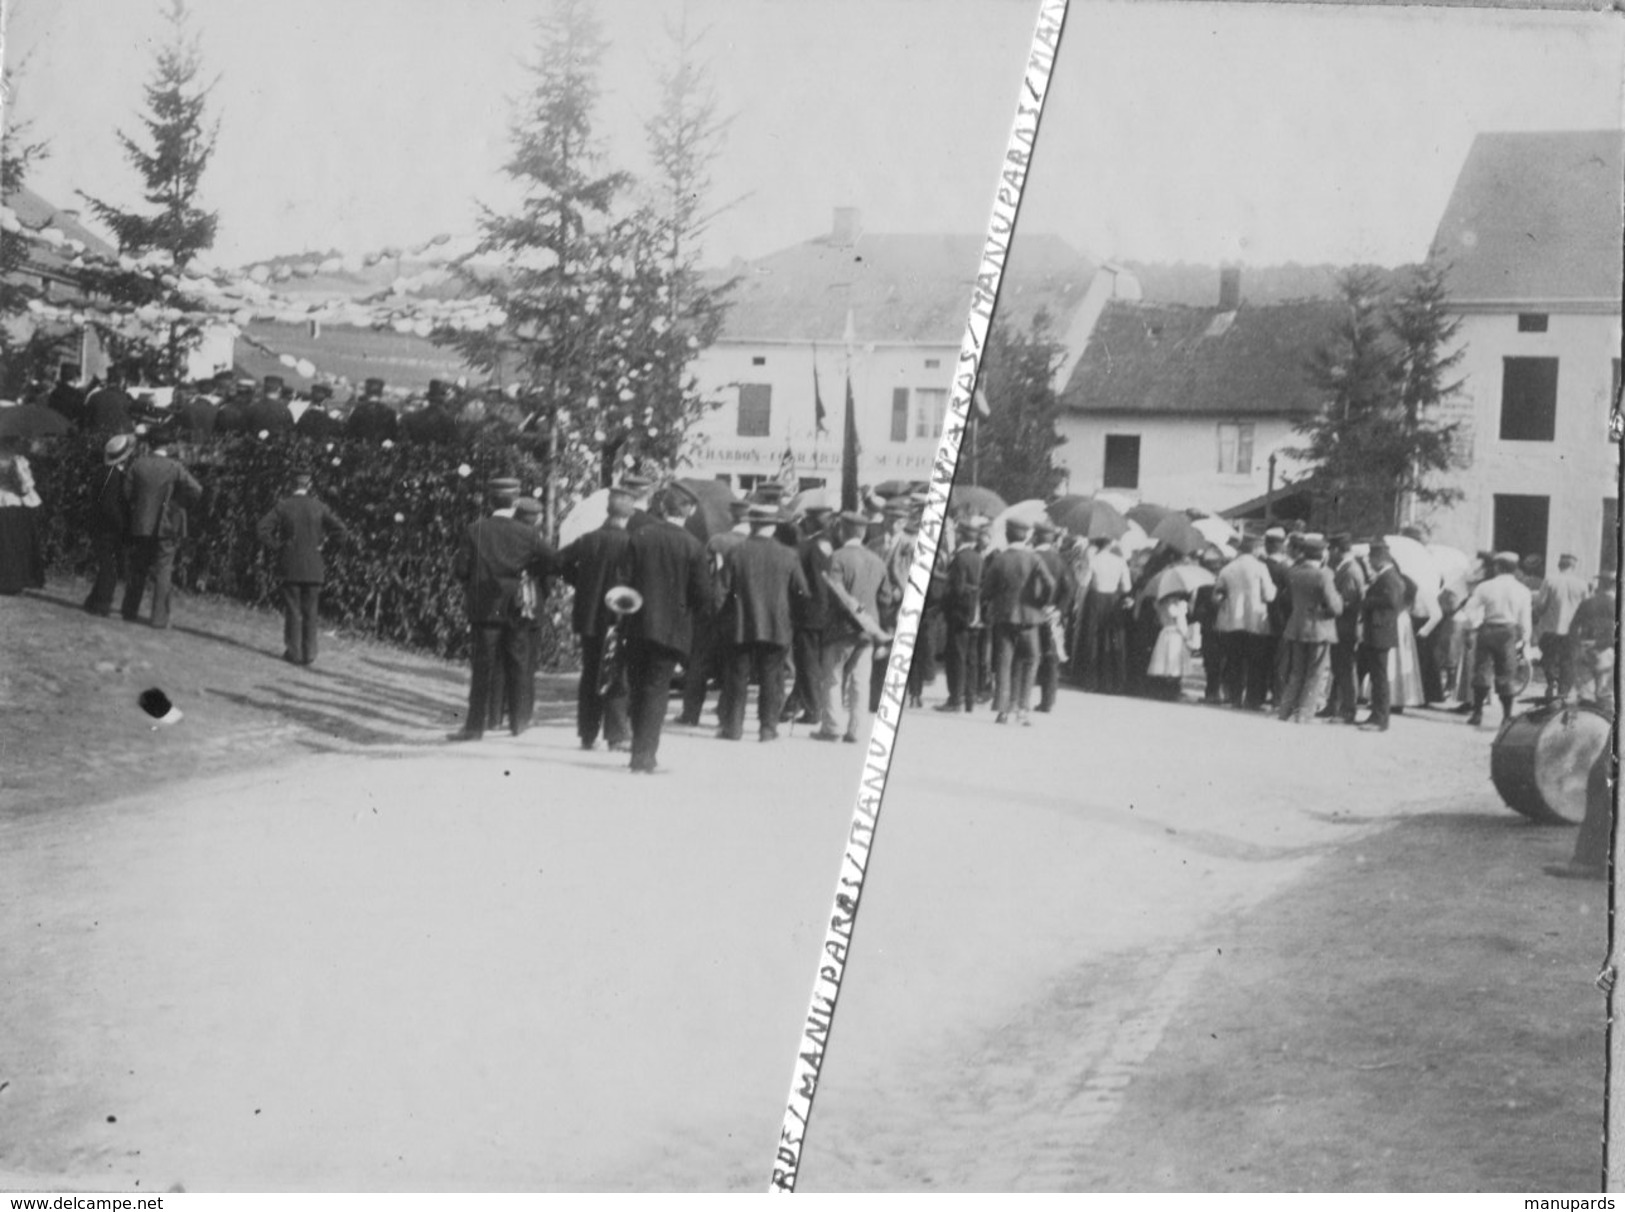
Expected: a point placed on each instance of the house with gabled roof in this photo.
(1531, 237)
(1191, 405)
(889, 311)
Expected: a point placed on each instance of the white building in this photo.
(1532, 239)
(889, 312)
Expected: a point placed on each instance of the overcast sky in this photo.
(1257, 133)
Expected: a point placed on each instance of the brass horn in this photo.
(623, 600)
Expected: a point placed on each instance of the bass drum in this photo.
(1540, 761)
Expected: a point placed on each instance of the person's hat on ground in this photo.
(118, 449)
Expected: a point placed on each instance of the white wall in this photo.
(1179, 456)
(716, 448)
(1577, 470)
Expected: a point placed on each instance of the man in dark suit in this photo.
(372, 420)
(233, 414)
(1015, 588)
(962, 616)
(814, 550)
(295, 527)
(269, 414)
(110, 522)
(496, 552)
(1349, 578)
(591, 566)
(110, 409)
(1380, 604)
(436, 421)
(157, 491)
(196, 414)
(66, 398)
(1310, 631)
(762, 581)
(705, 657)
(1045, 533)
(666, 564)
(316, 422)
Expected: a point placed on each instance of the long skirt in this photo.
(22, 558)
(1404, 672)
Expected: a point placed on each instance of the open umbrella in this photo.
(971, 498)
(1217, 530)
(587, 514)
(1415, 562)
(888, 489)
(1029, 512)
(1455, 568)
(1177, 578)
(713, 515)
(812, 498)
(31, 421)
(1088, 518)
(1149, 516)
(1179, 532)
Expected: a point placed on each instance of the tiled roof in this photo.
(901, 288)
(1144, 358)
(35, 212)
(1535, 217)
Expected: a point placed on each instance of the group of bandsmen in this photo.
(802, 607)
(225, 404)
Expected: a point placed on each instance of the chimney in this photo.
(1229, 287)
(848, 226)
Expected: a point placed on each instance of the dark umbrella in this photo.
(713, 514)
(1180, 533)
(970, 498)
(31, 421)
(1088, 518)
(894, 488)
(1149, 516)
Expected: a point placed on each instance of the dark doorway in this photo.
(1122, 461)
(1520, 524)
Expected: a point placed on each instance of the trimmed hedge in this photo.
(406, 506)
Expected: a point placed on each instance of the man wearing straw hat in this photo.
(1016, 586)
(496, 551)
(846, 662)
(109, 523)
(762, 578)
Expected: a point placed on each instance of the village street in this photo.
(1134, 945)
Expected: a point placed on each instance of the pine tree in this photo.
(1373, 442)
(1016, 443)
(592, 335)
(155, 246)
(19, 152)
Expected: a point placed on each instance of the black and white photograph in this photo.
(461, 464)
(1248, 826)
(461, 472)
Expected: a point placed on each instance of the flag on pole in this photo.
(849, 451)
(819, 416)
(788, 476)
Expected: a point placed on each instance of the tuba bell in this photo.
(623, 600)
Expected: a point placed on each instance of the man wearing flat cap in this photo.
(1016, 586)
(641, 487)
(109, 522)
(1381, 601)
(591, 566)
(815, 550)
(496, 553)
(762, 583)
(847, 664)
(295, 528)
(962, 616)
(1310, 632)
(1501, 609)
(664, 562)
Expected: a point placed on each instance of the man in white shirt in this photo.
(1554, 606)
(1501, 608)
(1244, 592)
(1105, 589)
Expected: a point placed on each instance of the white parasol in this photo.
(588, 513)
(1030, 512)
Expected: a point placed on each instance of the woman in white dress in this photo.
(1170, 655)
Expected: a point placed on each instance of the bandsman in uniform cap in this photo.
(592, 566)
(371, 420)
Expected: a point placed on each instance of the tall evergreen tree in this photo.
(19, 152)
(156, 244)
(1374, 441)
(1016, 442)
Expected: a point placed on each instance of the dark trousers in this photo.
(956, 664)
(109, 550)
(1345, 684)
(1374, 665)
(1497, 655)
(1249, 664)
(809, 662)
(299, 600)
(1015, 653)
(1427, 662)
(703, 663)
(1307, 664)
(595, 710)
(1213, 653)
(500, 656)
(649, 669)
(1557, 661)
(1102, 655)
(1048, 675)
(152, 557)
(1277, 657)
(766, 662)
